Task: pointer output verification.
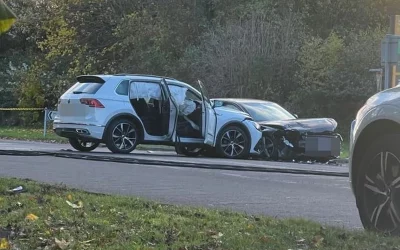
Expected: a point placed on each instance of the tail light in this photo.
(93, 103)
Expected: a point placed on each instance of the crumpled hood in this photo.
(312, 125)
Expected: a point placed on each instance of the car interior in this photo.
(191, 125)
(154, 111)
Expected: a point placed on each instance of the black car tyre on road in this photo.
(378, 186)
(83, 146)
(271, 150)
(233, 142)
(191, 151)
(122, 136)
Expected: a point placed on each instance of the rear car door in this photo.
(209, 117)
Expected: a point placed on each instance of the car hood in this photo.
(313, 125)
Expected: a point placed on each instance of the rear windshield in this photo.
(85, 88)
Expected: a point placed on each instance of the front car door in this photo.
(209, 117)
(173, 110)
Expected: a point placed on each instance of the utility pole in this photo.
(395, 30)
(390, 53)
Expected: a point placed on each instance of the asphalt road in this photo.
(171, 156)
(320, 198)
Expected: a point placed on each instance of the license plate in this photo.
(322, 146)
(71, 110)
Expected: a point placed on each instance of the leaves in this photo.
(62, 244)
(299, 53)
(317, 241)
(4, 243)
(31, 217)
(75, 206)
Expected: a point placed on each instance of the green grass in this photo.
(115, 222)
(344, 152)
(30, 134)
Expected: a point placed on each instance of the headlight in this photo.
(256, 125)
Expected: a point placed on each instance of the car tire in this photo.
(271, 149)
(122, 136)
(378, 198)
(210, 152)
(83, 146)
(233, 143)
(188, 150)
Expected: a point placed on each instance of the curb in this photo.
(172, 163)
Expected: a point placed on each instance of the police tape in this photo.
(21, 109)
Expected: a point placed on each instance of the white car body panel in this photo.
(384, 105)
(95, 120)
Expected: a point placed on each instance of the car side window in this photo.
(123, 88)
(192, 96)
(189, 94)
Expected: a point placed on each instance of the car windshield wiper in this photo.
(79, 92)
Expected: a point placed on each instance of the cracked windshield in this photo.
(215, 124)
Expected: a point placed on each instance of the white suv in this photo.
(125, 110)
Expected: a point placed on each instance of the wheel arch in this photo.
(233, 123)
(372, 131)
(130, 117)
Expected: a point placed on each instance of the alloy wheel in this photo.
(124, 136)
(382, 192)
(233, 143)
(269, 147)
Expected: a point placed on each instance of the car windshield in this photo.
(263, 111)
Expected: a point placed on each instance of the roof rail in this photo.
(127, 74)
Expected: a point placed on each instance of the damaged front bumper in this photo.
(321, 146)
(295, 145)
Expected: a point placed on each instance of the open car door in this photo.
(209, 117)
(172, 108)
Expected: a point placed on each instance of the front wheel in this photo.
(233, 143)
(190, 151)
(83, 146)
(270, 150)
(122, 136)
(378, 186)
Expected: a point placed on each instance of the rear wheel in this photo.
(191, 151)
(378, 186)
(122, 136)
(233, 143)
(83, 146)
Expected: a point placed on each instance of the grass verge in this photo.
(54, 217)
(344, 151)
(30, 134)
